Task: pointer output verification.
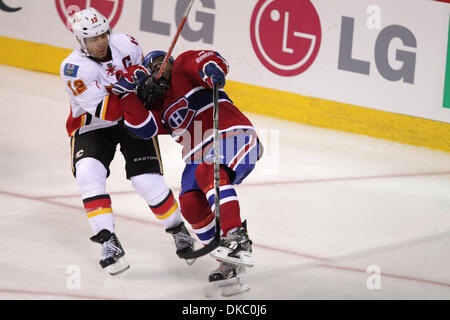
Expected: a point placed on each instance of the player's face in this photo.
(156, 65)
(98, 46)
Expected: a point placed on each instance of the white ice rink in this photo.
(322, 206)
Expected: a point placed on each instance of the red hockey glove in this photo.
(129, 79)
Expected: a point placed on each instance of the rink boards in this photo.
(370, 67)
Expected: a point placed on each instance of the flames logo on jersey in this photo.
(178, 116)
(111, 70)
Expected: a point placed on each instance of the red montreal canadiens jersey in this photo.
(188, 104)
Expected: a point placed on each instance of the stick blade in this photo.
(202, 251)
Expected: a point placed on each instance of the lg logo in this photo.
(382, 47)
(286, 35)
(6, 8)
(205, 33)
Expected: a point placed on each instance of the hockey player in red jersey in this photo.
(95, 130)
(181, 103)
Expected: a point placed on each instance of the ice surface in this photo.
(322, 206)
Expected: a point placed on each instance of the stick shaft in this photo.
(215, 242)
(174, 41)
(216, 157)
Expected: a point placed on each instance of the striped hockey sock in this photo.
(206, 229)
(167, 211)
(196, 211)
(99, 213)
(229, 207)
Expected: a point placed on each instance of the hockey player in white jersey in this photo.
(95, 127)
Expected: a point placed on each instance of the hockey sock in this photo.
(153, 189)
(91, 180)
(196, 211)
(168, 211)
(99, 213)
(229, 203)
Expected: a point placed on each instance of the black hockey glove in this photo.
(150, 92)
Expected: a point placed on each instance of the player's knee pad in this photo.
(151, 187)
(91, 177)
(204, 174)
(195, 208)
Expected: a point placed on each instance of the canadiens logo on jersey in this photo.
(71, 70)
(178, 116)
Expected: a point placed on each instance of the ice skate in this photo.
(227, 279)
(235, 248)
(183, 241)
(112, 252)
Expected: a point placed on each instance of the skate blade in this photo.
(244, 259)
(229, 291)
(120, 266)
(228, 287)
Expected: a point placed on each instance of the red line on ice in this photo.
(273, 183)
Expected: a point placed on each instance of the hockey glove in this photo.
(129, 79)
(212, 73)
(149, 91)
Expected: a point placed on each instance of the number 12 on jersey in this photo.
(79, 85)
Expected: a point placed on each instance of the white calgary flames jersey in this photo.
(89, 83)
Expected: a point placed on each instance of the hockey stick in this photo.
(216, 240)
(169, 53)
